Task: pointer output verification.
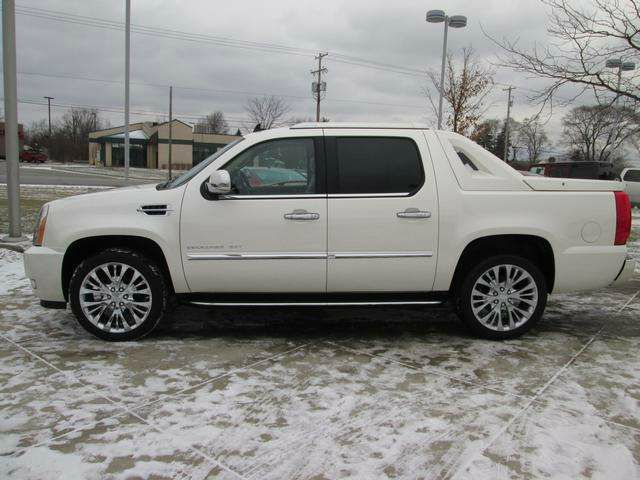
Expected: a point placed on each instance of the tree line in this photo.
(585, 39)
(69, 137)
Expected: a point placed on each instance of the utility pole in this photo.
(170, 126)
(127, 42)
(506, 125)
(49, 107)
(319, 86)
(11, 119)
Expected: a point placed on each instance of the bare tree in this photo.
(486, 134)
(465, 89)
(598, 132)
(532, 137)
(70, 135)
(213, 123)
(581, 39)
(268, 112)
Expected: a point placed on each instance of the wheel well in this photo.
(85, 247)
(531, 247)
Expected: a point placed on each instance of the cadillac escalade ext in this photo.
(333, 214)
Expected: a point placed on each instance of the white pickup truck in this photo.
(333, 214)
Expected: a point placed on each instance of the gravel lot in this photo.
(319, 394)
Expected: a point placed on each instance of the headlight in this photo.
(41, 223)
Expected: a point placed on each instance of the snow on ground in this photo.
(310, 394)
(13, 279)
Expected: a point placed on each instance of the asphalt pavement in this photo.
(44, 175)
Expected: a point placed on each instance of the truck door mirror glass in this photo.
(219, 182)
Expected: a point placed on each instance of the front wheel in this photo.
(502, 297)
(118, 295)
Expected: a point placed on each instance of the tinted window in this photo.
(466, 161)
(377, 165)
(584, 171)
(632, 176)
(277, 167)
(556, 171)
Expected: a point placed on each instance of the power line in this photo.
(121, 110)
(212, 39)
(204, 89)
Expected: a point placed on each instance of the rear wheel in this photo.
(502, 297)
(118, 295)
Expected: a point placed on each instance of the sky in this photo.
(227, 52)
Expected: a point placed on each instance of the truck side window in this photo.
(466, 161)
(377, 165)
(278, 167)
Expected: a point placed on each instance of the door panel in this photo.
(382, 242)
(248, 245)
(270, 233)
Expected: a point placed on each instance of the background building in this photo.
(149, 145)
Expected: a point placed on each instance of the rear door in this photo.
(382, 209)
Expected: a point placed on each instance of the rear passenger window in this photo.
(377, 165)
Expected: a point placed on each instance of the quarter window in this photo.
(377, 165)
(277, 167)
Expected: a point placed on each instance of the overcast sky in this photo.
(223, 77)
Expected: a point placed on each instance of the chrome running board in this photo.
(315, 304)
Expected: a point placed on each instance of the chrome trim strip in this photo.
(313, 304)
(301, 256)
(339, 255)
(270, 197)
(368, 195)
(256, 256)
(315, 195)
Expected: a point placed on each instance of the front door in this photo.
(382, 212)
(270, 233)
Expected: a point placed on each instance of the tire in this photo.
(512, 312)
(123, 301)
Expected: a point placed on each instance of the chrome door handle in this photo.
(301, 215)
(413, 213)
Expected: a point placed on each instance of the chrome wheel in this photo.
(504, 297)
(115, 297)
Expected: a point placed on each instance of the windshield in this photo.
(188, 175)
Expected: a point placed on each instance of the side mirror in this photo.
(219, 183)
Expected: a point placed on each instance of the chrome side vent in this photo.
(154, 209)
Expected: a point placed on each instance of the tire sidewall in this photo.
(464, 299)
(146, 267)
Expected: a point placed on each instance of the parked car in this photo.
(631, 180)
(586, 170)
(32, 155)
(377, 215)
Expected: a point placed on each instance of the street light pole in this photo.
(444, 61)
(454, 21)
(622, 67)
(11, 119)
(127, 36)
